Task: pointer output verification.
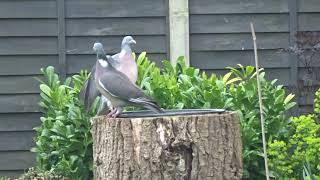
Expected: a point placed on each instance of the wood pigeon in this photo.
(124, 62)
(117, 87)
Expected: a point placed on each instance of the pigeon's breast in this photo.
(129, 68)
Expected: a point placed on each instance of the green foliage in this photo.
(245, 101)
(298, 155)
(182, 87)
(317, 102)
(63, 141)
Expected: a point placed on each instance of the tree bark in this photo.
(197, 147)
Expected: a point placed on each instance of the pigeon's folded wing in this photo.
(119, 85)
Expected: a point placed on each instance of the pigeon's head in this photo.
(128, 40)
(97, 47)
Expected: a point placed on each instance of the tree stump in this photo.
(196, 147)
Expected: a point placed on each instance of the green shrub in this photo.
(245, 101)
(182, 87)
(299, 152)
(317, 102)
(63, 141)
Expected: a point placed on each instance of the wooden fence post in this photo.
(61, 39)
(293, 28)
(179, 30)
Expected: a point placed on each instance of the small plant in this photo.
(317, 102)
(298, 155)
(63, 141)
(33, 174)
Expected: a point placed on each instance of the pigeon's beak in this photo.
(133, 41)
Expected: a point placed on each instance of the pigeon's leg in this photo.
(108, 103)
(102, 107)
(118, 111)
(105, 107)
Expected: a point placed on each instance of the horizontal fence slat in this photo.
(28, 27)
(115, 26)
(75, 63)
(306, 98)
(112, 45)
(19, 103)
(309, 22)
(309, 6)
(239, 23)
(239, 6)
(305, 109)
(19, 84)
(16, 141)
(282, 74)
(222, 59)
(16, 160)
(241, 41)
(19, 121)
(26, 64)
(28, 45)
(123, 8)
(28, 9)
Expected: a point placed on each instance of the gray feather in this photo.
(147, 103)
(117, 87)
(89, 91)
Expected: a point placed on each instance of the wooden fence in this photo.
(38, 33)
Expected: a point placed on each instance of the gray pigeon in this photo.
(124, 62)
(117, 87)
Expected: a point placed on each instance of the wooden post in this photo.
(293, 28)
(206, 146)
(179, 30)
(61, 39)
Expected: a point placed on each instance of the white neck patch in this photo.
(103, 63)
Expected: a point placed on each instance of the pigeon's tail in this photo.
(84, 94)
(147, 103)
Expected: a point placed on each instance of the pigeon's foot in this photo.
(112, 112)
(116, 114)
(118, 111)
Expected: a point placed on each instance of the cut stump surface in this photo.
(196, 147)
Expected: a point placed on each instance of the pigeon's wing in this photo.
(89, 92)
(119, 85)
(116, 57)
(83, 91)
(115, 61)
